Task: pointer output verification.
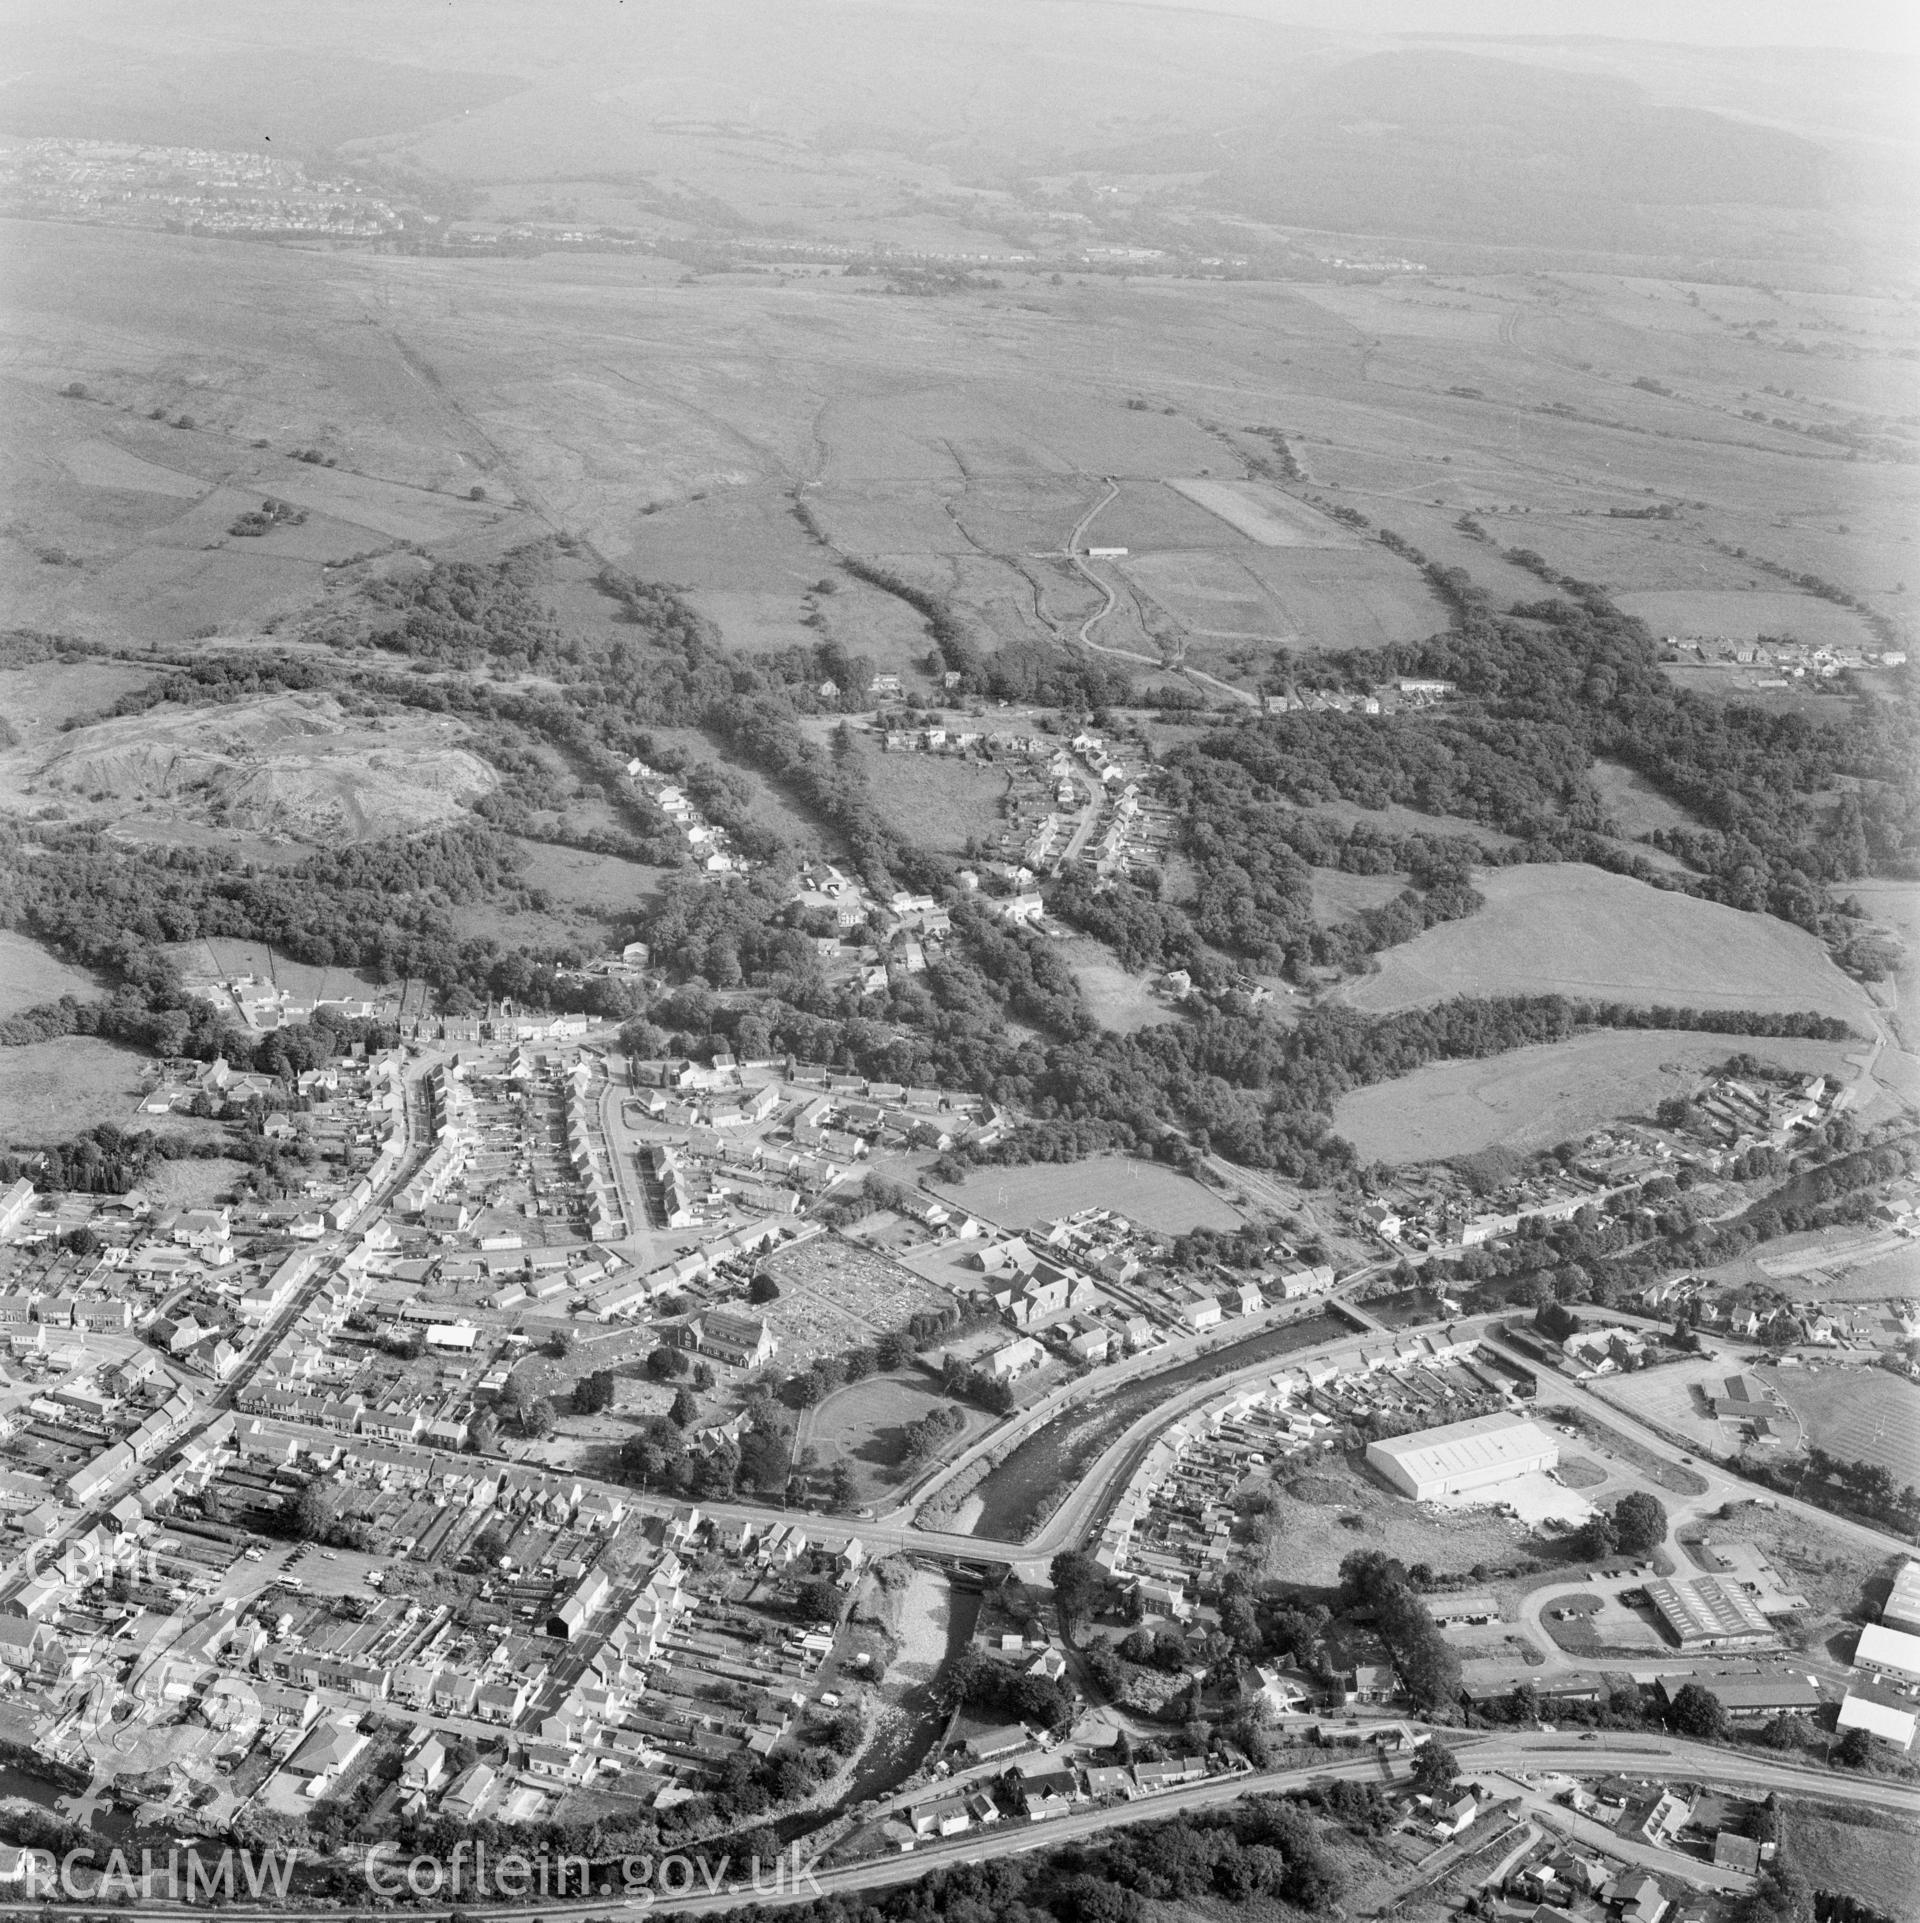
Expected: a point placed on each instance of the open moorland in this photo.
(1532, 1098)
(1562, 927)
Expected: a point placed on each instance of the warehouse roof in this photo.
(1891, 1722)
(1459, 1448)
(1884, 1648)
(1706, 1608)
(1902, 1610)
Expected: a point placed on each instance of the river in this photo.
(1015, 1496)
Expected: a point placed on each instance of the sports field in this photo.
(1858, 1414)
(1148, 1193)
(1564, 928)
(1534, 1097)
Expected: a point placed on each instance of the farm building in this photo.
(1705, 1613)
(1902, 1611)
(1888, 1652)
(1463, 1456)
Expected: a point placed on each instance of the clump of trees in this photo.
(1635, 1526)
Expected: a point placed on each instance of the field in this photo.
(601, 885)
(1119, 1001)
(864, 1424)
(1146, 1192)
(1531, 1098)
(1635, 803)
(204, 962)
(29, 975)
(1265, 515)
(1564, 928)
(1672, 1397)
(938, 801)
(1840, 1848)
(1310, 1531)
(1858, 1414)
(1306, 595)
(52, 1090)
(1338, 896)
(1747, 613)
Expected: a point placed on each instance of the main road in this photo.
(718, 1884)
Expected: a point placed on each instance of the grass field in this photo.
(1878, 1862)
(1565, 928)
(1857, 1413)
(211, 961)
(1746, 613)
(29, 975)
(51, 1090)
(864, 1424)
(937, 801)
(1634, 802)
(1146, 1192)
(1334, 1508)
(1671, 1397)
(1532, 1098)
(1120, 1001)
(1338, 896)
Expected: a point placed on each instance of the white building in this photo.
(1902, 1611)
(1463, 1456)
(1888, 1721)
(1891, 1653)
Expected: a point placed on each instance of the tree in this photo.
(762, 1289)
(1435, 1768)
(1077, 1585)
(1697, 1712)
(560, 1344)
(894, 1349)
(842, 1491)
(817, 1601)
(1854, 1749)
(593, 1394)
(1594, 1540)
(686, 1408)
(537, 1418)
(1639, 1523)
(311, 1517)
(666, 1362)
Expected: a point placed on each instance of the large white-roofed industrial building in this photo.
(1464, 1456)
(1902, 1610)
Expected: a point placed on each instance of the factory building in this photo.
(1706, 1613)
(1463, 1456)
